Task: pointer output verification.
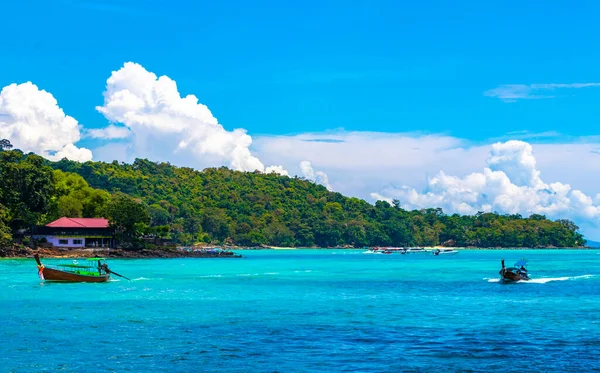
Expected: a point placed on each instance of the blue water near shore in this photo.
(308, 311)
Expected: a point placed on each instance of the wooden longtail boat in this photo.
(94, 270)
(516, 273)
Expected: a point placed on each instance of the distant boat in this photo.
(93, 270)
(414, 250)
(384, 250)
(371, 251)
(445, 252)
(395, 250)
(516, 273)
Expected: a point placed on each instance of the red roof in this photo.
(65, 222)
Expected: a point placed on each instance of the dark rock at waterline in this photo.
(19, 251)
(15, 251)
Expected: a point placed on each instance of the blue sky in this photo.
(297, 66)
(375, 99)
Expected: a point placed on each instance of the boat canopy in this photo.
(521, 263)
(89, 263)
(74, 265)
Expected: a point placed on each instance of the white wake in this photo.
(545, 280)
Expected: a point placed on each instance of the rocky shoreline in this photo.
(18, 251)
(26, 252)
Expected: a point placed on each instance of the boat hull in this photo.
(445, 253)
(61, 276)
(514, 274)
(509, 276)
(414, 251)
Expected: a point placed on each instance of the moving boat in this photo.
(384, 250)
(414, 250)
(395, 250)
(516, 273)
(93, 270)
(445, 252)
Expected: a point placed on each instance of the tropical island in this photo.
(152, 205)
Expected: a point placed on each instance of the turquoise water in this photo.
(308, 311)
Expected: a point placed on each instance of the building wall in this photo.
(95, 238)
(56, 241)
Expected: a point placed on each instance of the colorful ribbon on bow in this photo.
(41, 271)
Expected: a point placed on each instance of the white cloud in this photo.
(513, 92)
(73, 153)
(359, 162)
(111, 132)
(318, 177)
(162, 125)
(167, 126)
(516, 160)
(32, 120)
(511, 184)
(277, 169)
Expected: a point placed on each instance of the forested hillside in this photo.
(220, 205)
(254, 208)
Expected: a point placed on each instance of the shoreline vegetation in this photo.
(157, 206)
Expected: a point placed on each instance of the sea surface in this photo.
(308, 311)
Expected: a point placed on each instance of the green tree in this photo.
(305, 236)
(252, 208)
(94, 201)
(26, 188)
(279, 235)
(252, 238)
(73, 197)
(216, 223)
(5, 145)
(124, 213)
(70, 206)
(5, 233)
(159, 215)
(192, 225)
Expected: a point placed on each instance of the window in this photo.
(77, 242)
(63, 242)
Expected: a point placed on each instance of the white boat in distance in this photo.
(413, 250)
(409, 250)
(445, 252)
(385, 250)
